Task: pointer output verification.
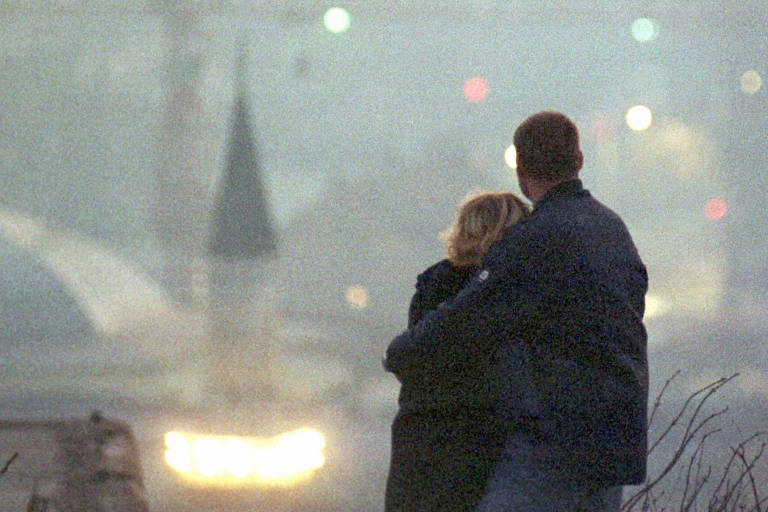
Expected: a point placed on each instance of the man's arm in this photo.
(480, 313)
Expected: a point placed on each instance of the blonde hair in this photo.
(480, 222)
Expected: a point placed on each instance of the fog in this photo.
(116, 126)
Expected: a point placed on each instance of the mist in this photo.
(117, 124)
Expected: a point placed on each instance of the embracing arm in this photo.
(480, 313)
(425, 298)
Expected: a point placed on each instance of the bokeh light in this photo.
(206, 453)
(639, 118)
(337, 20)
(685, 148)
(599, 127)
(655, 306)
(178, 452)
(357, 297)
(645, 29)
(715, 209)
(510, 157)
(751, 82)
(475, 89)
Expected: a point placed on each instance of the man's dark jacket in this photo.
(423, 390)
(559, 302)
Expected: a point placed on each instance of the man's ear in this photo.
(579, 161)
(522, 180)
(520, 170)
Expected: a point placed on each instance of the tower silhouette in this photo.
(242, 245)
(242, 227)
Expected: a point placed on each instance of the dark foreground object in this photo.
(79, 465)
(440, 462)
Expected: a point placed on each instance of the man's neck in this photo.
(536, 189)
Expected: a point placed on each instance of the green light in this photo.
(336, 20)
(645, 29)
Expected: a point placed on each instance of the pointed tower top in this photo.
(241, 59)
(242, 225)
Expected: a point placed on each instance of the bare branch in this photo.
(709, 389)
(698, 481)
(8, 463)
(748, 469)
(690, 434)
(657, 402)
(724, 480)
(694, 477)
(737, 486)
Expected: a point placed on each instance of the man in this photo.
(559, 301)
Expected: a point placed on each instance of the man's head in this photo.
(547, 145)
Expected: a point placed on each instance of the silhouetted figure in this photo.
(242, 241)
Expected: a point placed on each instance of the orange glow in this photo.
(715, 209)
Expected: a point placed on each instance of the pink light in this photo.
(475, 89)
(715, 209)
(600, 128)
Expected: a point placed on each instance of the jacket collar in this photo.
(565, 190)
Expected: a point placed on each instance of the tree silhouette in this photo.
(687, 480)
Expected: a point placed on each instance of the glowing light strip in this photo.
(234, 461)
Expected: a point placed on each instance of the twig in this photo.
(729, 490)
(709, 390)
(687, 438)
(698, 481)
(8, 463)
(724, 480)
(748, 468)
(657, 402)
(692, 429)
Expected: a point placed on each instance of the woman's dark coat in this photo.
(442, 451)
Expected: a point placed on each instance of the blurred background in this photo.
(212, 213)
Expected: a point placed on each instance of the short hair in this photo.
(547, 146)
(480, 222)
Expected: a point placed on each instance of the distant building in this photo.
(241, 247)
(182, 199)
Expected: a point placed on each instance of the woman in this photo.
(443, 450)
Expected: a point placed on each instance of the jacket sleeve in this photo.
(433, 286)
(420, 302)
(481, 313)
